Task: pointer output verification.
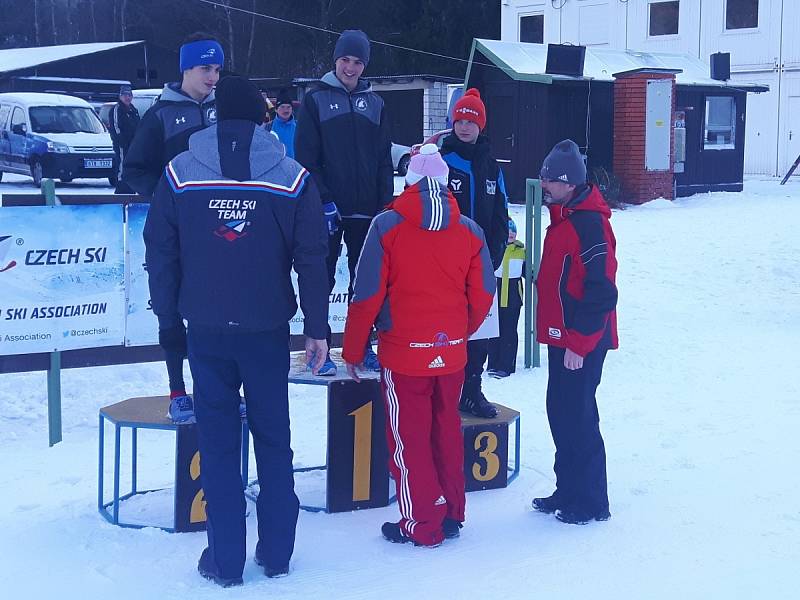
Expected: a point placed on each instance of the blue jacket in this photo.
(285, 132)
(477, 183)
(228, 220)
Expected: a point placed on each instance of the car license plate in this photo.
(97, 163)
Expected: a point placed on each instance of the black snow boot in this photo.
(473, 401)
(547, 505)
(451, 528)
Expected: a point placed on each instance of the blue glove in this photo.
(332, 217)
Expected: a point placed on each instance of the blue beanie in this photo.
(512, 227)
(352, 42)
(201, 52)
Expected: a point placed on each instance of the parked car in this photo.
(437, 138)
(142, 100)
(400, 157)
(53, 135)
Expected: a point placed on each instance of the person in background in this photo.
(184, 108)
(122, 123)
(576, 317)
(477, 183)
(229, 277)
(343, 139)
(503, 349)
(284, 125)
(425, 275)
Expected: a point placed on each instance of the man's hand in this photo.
(316, 353)
(572, 361)
(352, 371)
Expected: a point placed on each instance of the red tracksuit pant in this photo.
(426, 450)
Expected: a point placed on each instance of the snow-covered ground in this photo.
(700, 411)
(21, 184)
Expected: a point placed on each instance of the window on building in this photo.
(531, 29)
(664, 18)
(720, 123)
(741, 14)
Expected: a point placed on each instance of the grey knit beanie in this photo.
(564, 163)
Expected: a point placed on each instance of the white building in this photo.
(761, 35)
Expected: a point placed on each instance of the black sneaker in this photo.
(393, 533)
(451, 528)
(477, 404)
(547, 505)
(207, 570)
(577, 517)
(271, 572)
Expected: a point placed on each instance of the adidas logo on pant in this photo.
(436, 363)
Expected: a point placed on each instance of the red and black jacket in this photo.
(577, 293)
(425, 279)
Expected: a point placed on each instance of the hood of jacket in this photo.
(428, 204)
(588, 199)
(266, 151)
(172, 93)
(331, 80)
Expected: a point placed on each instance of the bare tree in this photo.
(252, 39)
(93, 19)
(36, 28)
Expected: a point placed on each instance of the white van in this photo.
(52, 135)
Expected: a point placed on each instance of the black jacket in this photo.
(163, 134)
(343, 139)
(228, 221)
(122, 123)
(477, 183)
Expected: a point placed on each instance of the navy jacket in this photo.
(163, 134)
(343, 139)
(122, 124)
(477, 183)
(228, 221)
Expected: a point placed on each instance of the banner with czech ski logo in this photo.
(62, 273)
(337, 301)
(141, 327)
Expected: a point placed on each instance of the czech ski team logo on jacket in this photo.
(424, 307)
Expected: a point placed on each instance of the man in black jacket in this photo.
(122, 123)
(477, 183)
(182, 109)
(228, 221)
(343, 139)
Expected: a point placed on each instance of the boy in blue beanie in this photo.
(183, 108)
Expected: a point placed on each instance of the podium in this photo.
(189, 512)
(357, 472)
(487, 444)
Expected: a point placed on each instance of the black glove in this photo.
(173, 339)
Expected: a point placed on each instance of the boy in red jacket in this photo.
(425, 279)
(576, 317)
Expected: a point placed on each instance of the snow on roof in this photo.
(527, 62)
(73, 80)
(15, 59)
(42, 99)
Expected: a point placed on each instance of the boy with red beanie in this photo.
(425, 280)
(476, 182)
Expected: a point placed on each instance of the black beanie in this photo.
(284, 97)
(564, 163)
(352, 42)
(238, 98)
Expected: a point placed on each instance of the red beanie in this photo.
(470, 108)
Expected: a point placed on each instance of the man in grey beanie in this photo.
(576, 317)
(343, 139)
